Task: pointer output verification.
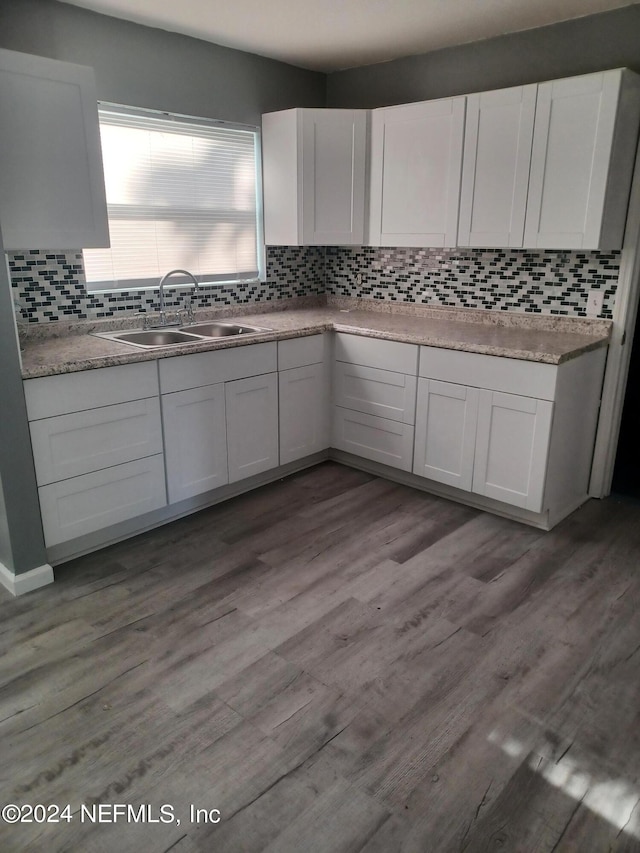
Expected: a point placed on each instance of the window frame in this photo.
(151, 283)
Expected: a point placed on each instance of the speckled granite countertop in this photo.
(70, 347)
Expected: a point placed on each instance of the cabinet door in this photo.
(446, 418)
(416, 160)
(495, 173)
(572, 145)
(51, 180)
(252, 425)
(512, 448)
(195, 436)
(304, 411)
(333, 176)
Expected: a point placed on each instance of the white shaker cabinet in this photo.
(512, 449)
(97, 446)
(495, 174)
(477, 431)
(446, 420)
(582, 159)
(195, 431)
(303, 385)
(52, 192)
(314, 163)
(252, 425)
(374, 396)
(416, 162)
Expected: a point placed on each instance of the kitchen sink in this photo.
(223, 330)
(196, 333)
(150, 338)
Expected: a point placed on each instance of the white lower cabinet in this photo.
(379, 439)
(252, 425)
(487, 442)
(512, 449)
(195, 432)
(446, 418)
(91, 502)
(304, 411)
(96, 465)
(531, 452)
(374, 407)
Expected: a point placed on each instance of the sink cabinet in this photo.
(220, 417)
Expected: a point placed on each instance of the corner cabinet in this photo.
(52, 192)
(416, 162)
(584, 146)
(314, 167)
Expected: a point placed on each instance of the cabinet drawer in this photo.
(373, 352)
(70, 445)
(81, 505)
(48, 396)
(299, 352)
(375, 392)
(495, 373)
(209, 368)
(382, 440)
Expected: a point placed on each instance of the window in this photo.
(181, 193)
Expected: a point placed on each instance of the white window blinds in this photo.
(180, 194)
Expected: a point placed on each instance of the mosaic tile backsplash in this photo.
(552, 282)
(50, 286)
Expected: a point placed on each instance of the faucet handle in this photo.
(188, 307)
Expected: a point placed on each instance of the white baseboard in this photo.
(26, 581)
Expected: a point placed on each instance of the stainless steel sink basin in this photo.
(151, 338)
(218, 329)
(196, 333)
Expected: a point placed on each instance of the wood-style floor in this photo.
(335, 663)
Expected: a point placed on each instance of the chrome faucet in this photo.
(163, 313)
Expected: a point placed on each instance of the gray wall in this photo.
(21, 539)
(594, 43)
(145, 67)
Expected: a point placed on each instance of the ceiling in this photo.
(328, 35)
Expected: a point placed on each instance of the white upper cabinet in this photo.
(314, 164)
(495, 174)
(51, 180)
(416, 161)
(583, 153)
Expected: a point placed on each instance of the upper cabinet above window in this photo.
(314, 165)
(51, 181)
